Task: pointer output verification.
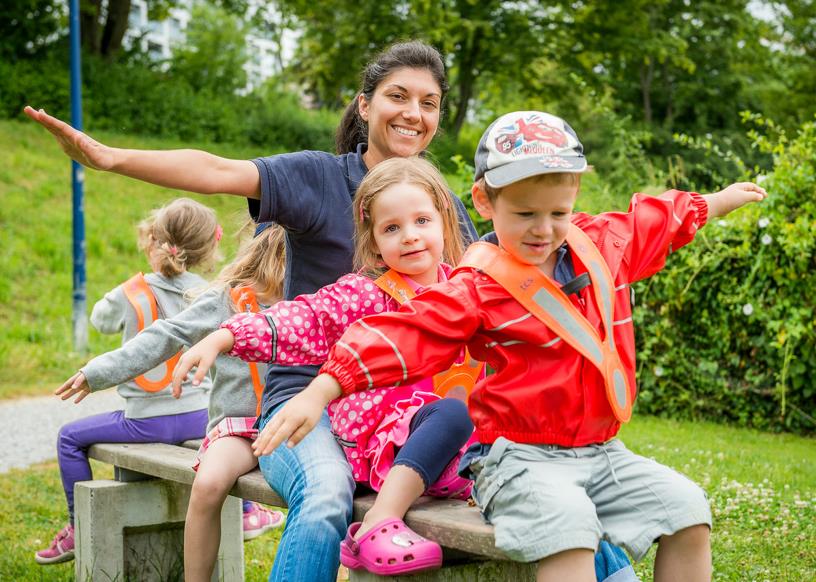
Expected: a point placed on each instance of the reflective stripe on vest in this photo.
(545, 300)
(245, 301)
(459, 380)
(143, 300)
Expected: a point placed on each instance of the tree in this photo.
(479, 39)
(215, 52)
(26, 26)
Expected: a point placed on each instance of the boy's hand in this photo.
(298, 417)
(733, 197)
(201, 356)
(76, 384)
(77, 145)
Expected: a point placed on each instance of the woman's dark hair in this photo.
(414, 55)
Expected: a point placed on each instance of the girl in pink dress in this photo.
(401, 442)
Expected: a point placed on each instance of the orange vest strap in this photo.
(143, 300)
(543, 298)
(246, 302)
(459, 380)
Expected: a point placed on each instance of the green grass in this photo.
(36, 352)
(33, 510)
(762, 489)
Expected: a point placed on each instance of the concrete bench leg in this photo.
(135, 531)
(488, 571)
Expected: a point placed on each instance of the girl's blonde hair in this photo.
(180, 235)
(415, 171)
(260, 263)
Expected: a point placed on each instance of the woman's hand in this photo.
(76, 384)
(298, 417)
(77, 145)
(201, 356)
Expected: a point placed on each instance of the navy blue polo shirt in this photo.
(310, 194)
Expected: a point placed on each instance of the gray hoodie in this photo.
(113, 313)
(232, 393)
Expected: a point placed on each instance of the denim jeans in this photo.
(315, 480)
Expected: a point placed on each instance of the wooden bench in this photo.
(131, 528)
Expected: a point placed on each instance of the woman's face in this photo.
(402, 115)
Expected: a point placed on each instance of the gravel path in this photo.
(29, 426)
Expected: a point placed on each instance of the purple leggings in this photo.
(112, 427)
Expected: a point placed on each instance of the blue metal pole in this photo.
(79, 312)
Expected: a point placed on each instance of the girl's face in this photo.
(402, 115)
(408, 231)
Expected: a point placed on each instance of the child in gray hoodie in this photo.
(181, 235)
(253, 279)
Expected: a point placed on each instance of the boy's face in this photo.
(530, 218)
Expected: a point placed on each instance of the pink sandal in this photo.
(389, 548)
(450, 484)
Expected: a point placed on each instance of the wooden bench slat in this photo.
(452, 523)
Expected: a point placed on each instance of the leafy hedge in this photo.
(726, 331)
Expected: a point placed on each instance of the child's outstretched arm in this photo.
(299, 416)
(201, 356)
(191, 170)
(734, 196)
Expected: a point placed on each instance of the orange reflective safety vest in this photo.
(245, 301)
(143, 300)
(456, 382)
(543, 298)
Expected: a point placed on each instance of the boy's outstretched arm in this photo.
(191, 170)
(299, 416)
(734, 196)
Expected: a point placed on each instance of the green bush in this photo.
(726, 332)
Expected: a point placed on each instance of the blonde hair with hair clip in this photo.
(180, 235)
(260, 263)
(391, 172)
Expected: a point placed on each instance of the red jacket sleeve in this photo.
(653, 228)
(421, 339)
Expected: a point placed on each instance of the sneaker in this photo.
(260, 520)
(61, 548)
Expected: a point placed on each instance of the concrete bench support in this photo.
(134, 531)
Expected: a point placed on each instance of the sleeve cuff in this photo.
(254, 338)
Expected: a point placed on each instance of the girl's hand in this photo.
(298, 417)
(77, 145)
(76, 384)
(201, 356)
(733, 197)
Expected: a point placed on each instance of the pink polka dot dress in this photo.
(370, 425)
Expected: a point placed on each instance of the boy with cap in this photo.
(549, 473)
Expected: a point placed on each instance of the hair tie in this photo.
(219, 232)
(173, 250)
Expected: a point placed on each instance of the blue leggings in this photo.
(438, 431)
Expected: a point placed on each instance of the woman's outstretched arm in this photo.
(191, 170)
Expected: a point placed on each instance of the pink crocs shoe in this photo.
(389, 548)
(61, 548)
(259, 520)
(450, 484)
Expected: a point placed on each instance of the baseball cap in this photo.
(527, 143)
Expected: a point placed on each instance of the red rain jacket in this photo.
(542, 391)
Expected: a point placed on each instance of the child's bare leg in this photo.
(575, 565)
(684, 556)
(225, 460)
(400, 489)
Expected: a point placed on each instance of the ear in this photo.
(481, 202)
(362, 107)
